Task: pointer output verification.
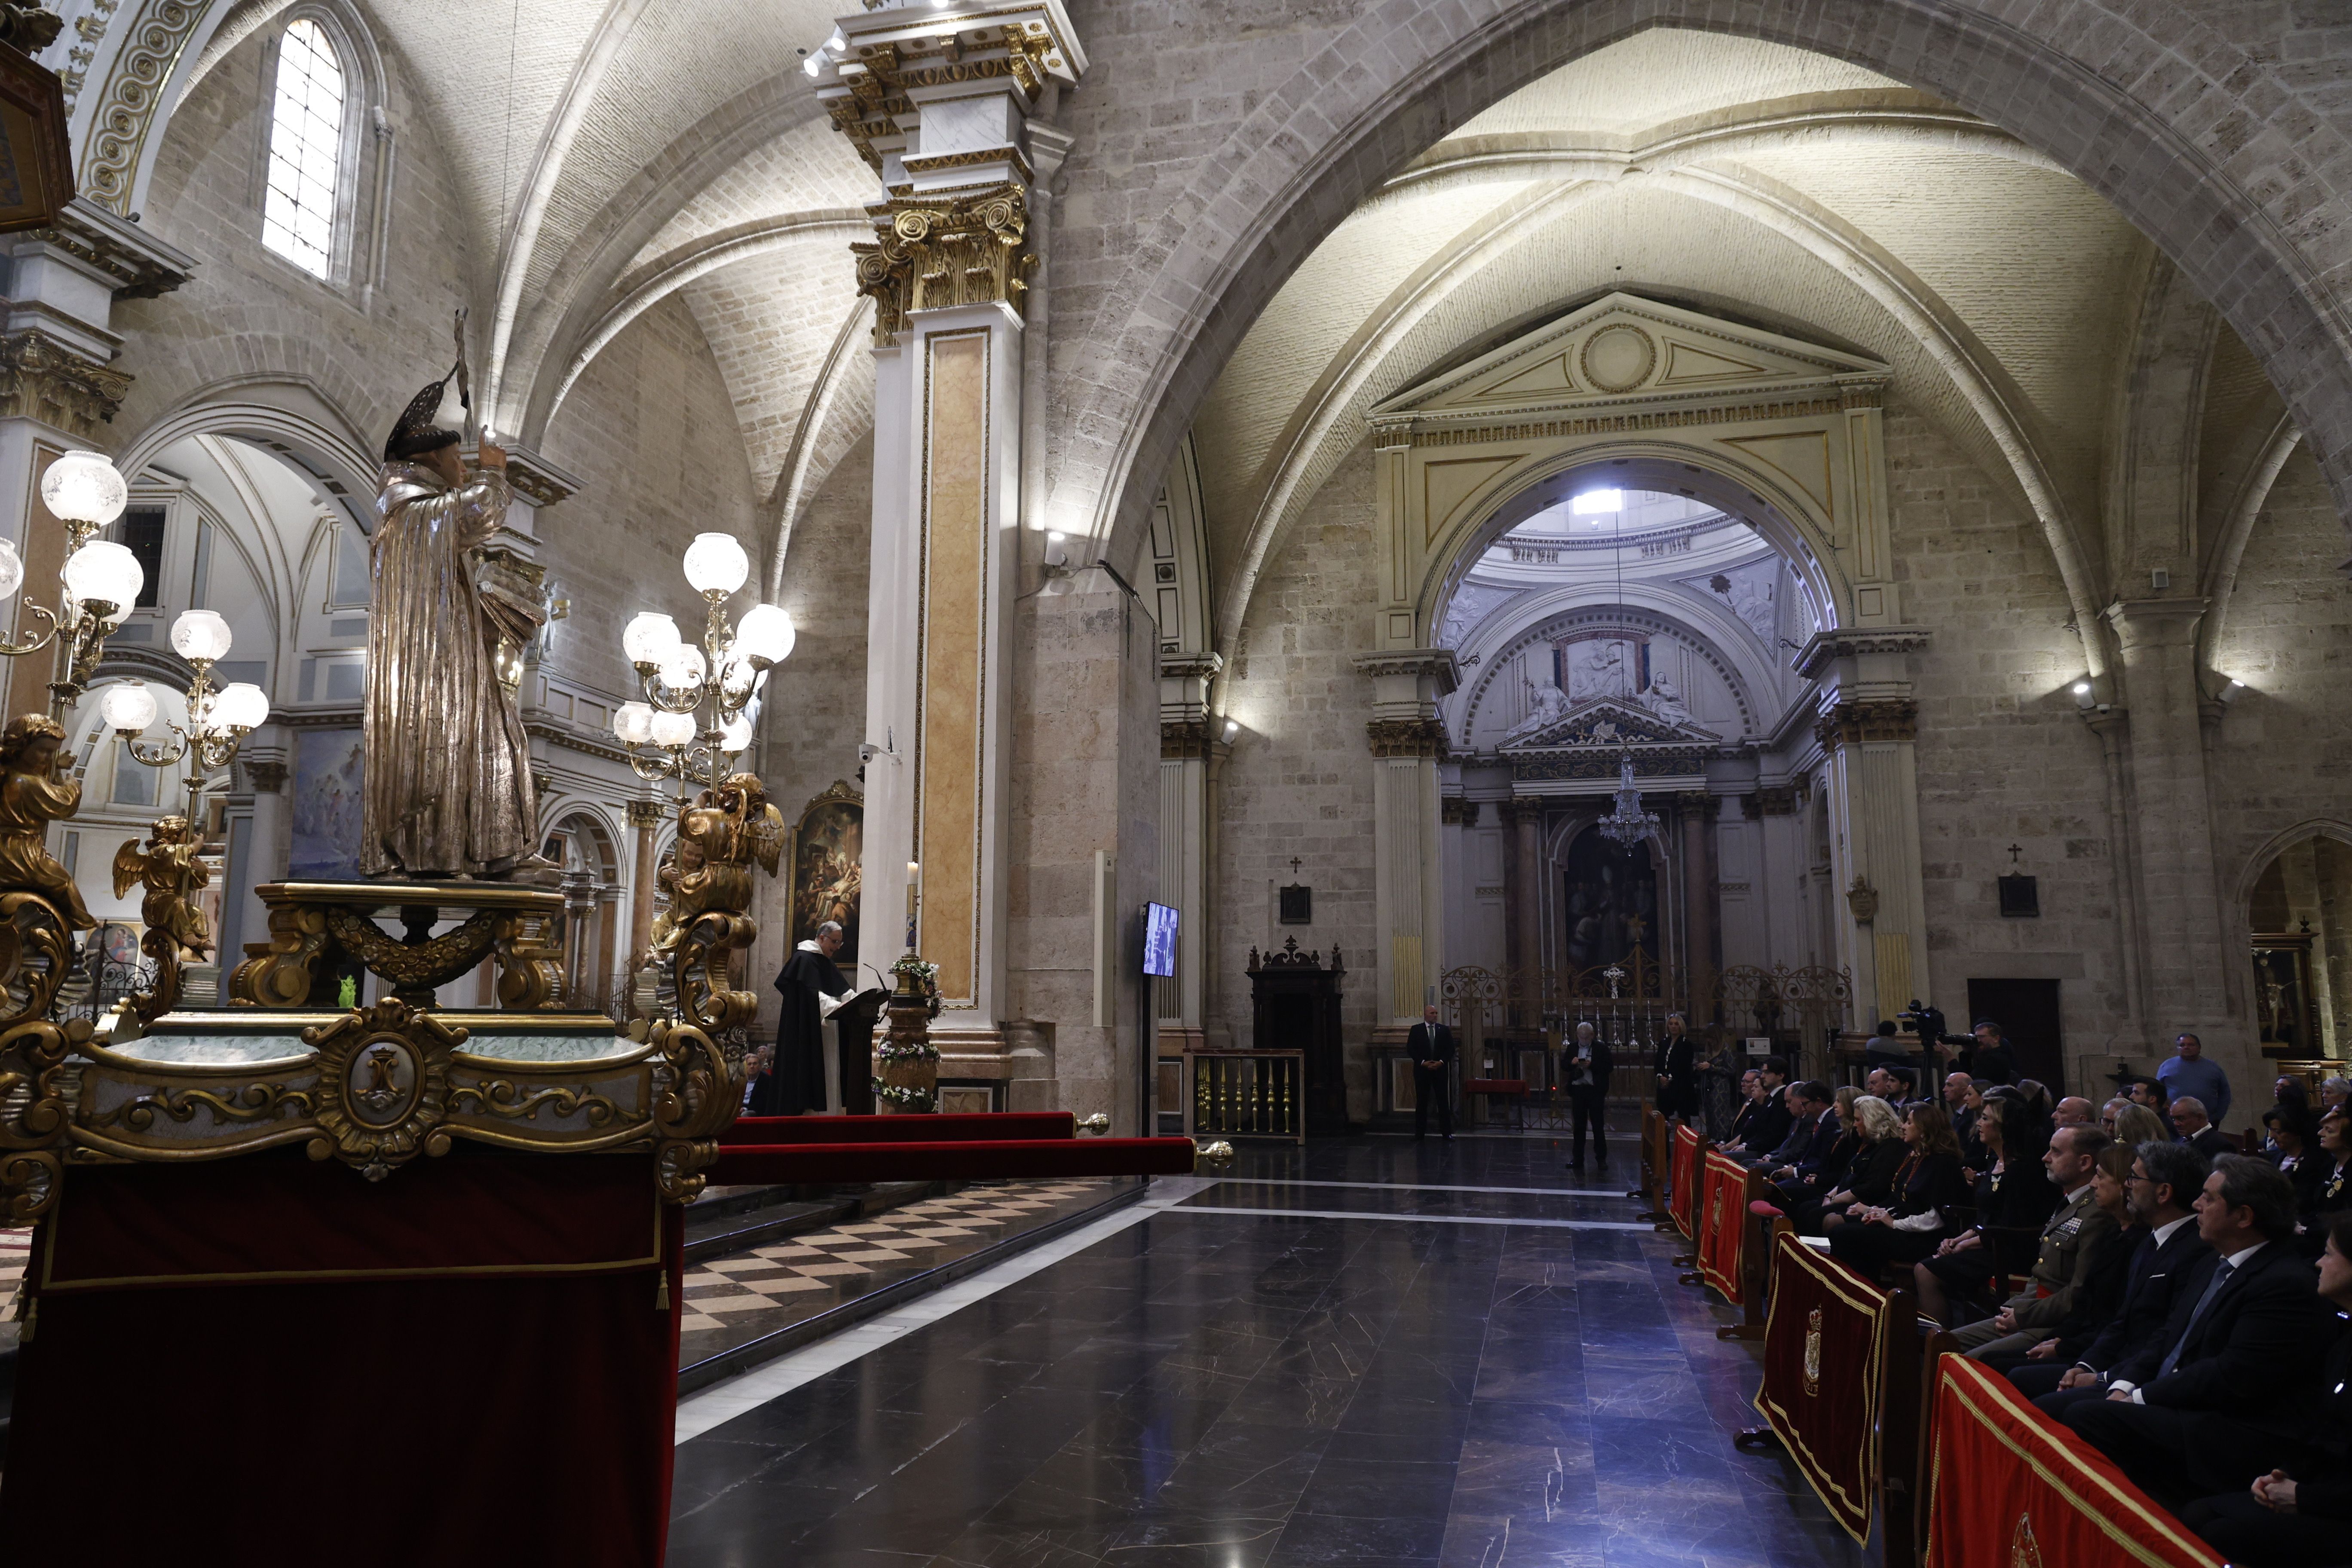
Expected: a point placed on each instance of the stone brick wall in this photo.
(1299, 781)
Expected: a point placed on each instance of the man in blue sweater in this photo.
(2189, 1072)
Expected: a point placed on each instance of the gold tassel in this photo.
(661, 1291)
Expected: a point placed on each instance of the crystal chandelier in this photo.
(1627, 824)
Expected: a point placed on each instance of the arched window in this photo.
(306, 151)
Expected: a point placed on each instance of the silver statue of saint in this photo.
(449, 789)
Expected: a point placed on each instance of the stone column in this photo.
(1188, 746)
(1702, 944)
(1522, 903)
(1407, 739)
(2186, 959)
(646, 819)
(1868, 723)
(940, 114)
(2335, 867)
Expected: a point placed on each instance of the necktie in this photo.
(2220, 1277)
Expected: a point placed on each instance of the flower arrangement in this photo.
(907, 1095)
(921, 977)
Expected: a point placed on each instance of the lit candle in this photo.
(914, 882)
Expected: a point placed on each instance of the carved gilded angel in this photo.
(174, 870)
(32, 796)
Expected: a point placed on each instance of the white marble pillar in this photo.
(1190, 750)
(1407, 740)
(938, 104)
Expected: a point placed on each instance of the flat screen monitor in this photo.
(1159, 940)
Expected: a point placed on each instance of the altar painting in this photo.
(828, 856)
(329, 770)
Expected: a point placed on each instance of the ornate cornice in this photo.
(126, 109)
(1192, 665)
(649, 812)
(138, 265)
(932, 254)
(1182, 739)
(1871, 721)
(1452, 435)
(1519, 808)
(1407, 737)
(1437, 663)
(1455, 811)
(1601, 763)
(1853, 642)
(264, 778)
(537, 480)
(1777, 799)
(43, 380)
(897, 55)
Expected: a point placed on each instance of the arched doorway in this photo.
(590, 879)
(2299, 931)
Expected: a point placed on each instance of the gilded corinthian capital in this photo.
(930, 253)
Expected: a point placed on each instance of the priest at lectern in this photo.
(812, 988)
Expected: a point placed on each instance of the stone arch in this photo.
(2251, 870)
(286, 414)
(1221, 258)
(1641, 606)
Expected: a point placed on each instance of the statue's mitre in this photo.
(431, 421)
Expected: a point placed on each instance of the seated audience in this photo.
(2137, 1124)
(1810, 1121)
(2230, 1391)
(2329, 1194)
(1817, 1174)
(2072, 1111)
(2333, 1092)
(2013, 1200)
(1869, 1177)
(2149, 1092)
(2291, 1144)
(2106, 1271)
(2109, 1111)
(1769, 1129)
(2070, 1244)
(2294, 1515)
(1751, 1104)
(2197, 1129)
(2036, 1096)
(2164, 1180)
(1927, 1188)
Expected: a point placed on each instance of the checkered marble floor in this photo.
(733, 1300)
(16, 1247)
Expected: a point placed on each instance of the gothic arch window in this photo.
(315, 104)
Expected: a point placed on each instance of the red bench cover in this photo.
(907, 1129)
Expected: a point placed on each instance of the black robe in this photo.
(795, 1082)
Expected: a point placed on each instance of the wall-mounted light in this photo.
(2230, 692)
(1233, 728)
(1057, 556)
(2083, 694)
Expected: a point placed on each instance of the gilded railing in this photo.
(1246, 1094)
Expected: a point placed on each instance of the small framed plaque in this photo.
(1298, 905)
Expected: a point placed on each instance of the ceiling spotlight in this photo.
(2230, 692)
(837, 43)
(2082, 690)
(815, 63)
(1233, 728)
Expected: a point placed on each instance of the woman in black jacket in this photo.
(2013, 1199)
(1928, 1187)
(1869, 1178)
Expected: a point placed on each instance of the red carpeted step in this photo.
(984, 1126)
(1001, 1160)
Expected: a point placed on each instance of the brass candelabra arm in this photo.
(35, 641)
(654, 769)
(162, 753)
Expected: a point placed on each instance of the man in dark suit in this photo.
(1431, 1047)
(2197, 1129)
(2164, 1180)
(1814, 1166)
(1584, 1065)
(1677, 1067)
(1768, 1128)
(2227, 1389)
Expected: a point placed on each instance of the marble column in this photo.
(1189, 749)
(645, 818)
(940, 114)
(1702, 940)
(2186, 958)
(1522, 818)
(1407, 740)
(1867, 727)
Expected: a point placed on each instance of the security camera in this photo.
(867, 751)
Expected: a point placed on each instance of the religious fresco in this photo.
(828, 860)
(330, 774)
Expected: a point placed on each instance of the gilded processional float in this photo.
(317, 1233)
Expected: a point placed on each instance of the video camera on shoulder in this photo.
(1927, 1023)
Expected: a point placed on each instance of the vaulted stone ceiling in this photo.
(1758, 182)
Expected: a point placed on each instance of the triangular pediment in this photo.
(1610, 721)
(1618, 349)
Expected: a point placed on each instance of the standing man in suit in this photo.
(1584, 1068)
(1432, 1048)
(2227, 1389)
(2164, 1180)
(1676, 1064)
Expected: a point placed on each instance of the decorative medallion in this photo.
(1618, 358)
(383, 1086)
(2023, 1550)
(1814, 1354)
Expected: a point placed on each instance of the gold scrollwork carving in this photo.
(696, 1093)
(36, 951)
(34, 1116)
(932, 253)
(383, 1086)
(246, 1102)
(278, 972)
(531, 964)
(504, 1096)
(415, 968)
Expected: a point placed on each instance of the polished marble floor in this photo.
(1365, 1352)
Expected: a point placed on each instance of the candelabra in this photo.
(84, 491)
(699, 702)
(172, 866)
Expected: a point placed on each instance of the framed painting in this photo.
(330, 772)
(828, 868)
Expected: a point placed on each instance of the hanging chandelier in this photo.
(1627, 824)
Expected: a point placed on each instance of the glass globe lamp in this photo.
(633, 723)
(735, 735)
(650, 637)
(241, 705)
(128, 707)
(11, 570)
(200, 636)
(715, 564)
(684, 668)
(84, 488)
(766, 637)
(673, 729)
(104, 572)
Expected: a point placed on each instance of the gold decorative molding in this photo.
(1874, 720)
(933, 254)
(126, 109)
(41, 379)
(1185, 737)
(871, 101)
(1407, 737)
(140, 266)
(265, 777)
(647, 813)
(1580, 762)
(1614, 423)
(384, 1086)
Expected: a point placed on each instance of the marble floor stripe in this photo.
(1429, 1187)
(1246, 1388)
